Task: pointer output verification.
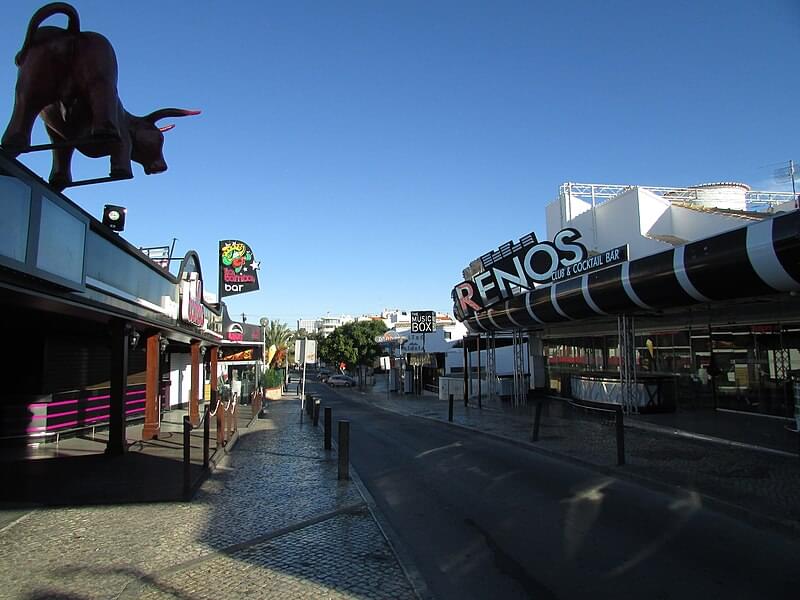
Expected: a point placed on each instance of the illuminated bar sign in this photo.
(192, 301)
(237, 268)
(529, 263)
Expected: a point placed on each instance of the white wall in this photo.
(180, 376)
(555, 222)
(619, 222)
(651, 209)
(694, 225)
(633, 218)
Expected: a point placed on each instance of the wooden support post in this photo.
(221, 424)
(152, 410)
(120, 344)
(194, 386)
(214, 376)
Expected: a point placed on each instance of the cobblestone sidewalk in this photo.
(747, 482)
(271, 522)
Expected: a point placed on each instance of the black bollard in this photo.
(187, 465)
(328, 427)
(344, 450)
(315, 415)
(537, 419)
(206, 437)
(450, 409)
(620, 429)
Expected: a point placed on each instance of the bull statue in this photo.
(69, 78)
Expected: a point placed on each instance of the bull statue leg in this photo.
(121, 159)
(33, 93)
(104, 105)
(61, 173)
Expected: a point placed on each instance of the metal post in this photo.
(466, 371)
(344, 450)
(206, 437)
(187, 447)
(328, 427)
(478, 342)
(620, 427)
(316, 412)
(471, 386)
(303, 387)
(450, 409)
(537, 419)
(120, 340)
(515, 383)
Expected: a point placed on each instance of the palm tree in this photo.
(277, 334)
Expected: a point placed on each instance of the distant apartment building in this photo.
(309, 325)
(326, 324)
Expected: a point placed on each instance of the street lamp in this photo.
(264, 322)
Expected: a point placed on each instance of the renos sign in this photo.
(524, 265)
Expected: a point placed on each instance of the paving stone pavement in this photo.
(272, 522)
(745, 481)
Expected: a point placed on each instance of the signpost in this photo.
(306, 349)
(422, 321)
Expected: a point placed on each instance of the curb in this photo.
(403, 558)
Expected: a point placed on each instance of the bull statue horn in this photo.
(166, 128)
(163, 113)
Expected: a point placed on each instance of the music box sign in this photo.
(530, 263)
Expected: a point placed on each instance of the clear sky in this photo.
(368, 150)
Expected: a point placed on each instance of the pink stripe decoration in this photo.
(54, 427)
(46, 404)
(74, 400)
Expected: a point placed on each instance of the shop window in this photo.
(15, 206)
(61, 242)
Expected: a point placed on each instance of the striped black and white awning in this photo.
(759, 259)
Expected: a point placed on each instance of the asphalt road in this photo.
(481, 518)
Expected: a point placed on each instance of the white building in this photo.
(704, 306)
(652, 219)
(326, 324)
(310, 325)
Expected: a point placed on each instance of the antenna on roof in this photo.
(785, 174)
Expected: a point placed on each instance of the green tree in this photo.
(353, 344)
(279, 334)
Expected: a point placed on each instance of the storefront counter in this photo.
(653, 393)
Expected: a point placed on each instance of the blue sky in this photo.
(367, 151)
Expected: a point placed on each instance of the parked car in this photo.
(340, 380)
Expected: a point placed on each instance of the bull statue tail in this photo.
(47, 11)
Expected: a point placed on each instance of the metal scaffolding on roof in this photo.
(595, 194)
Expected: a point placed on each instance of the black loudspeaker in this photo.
(114, 217)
